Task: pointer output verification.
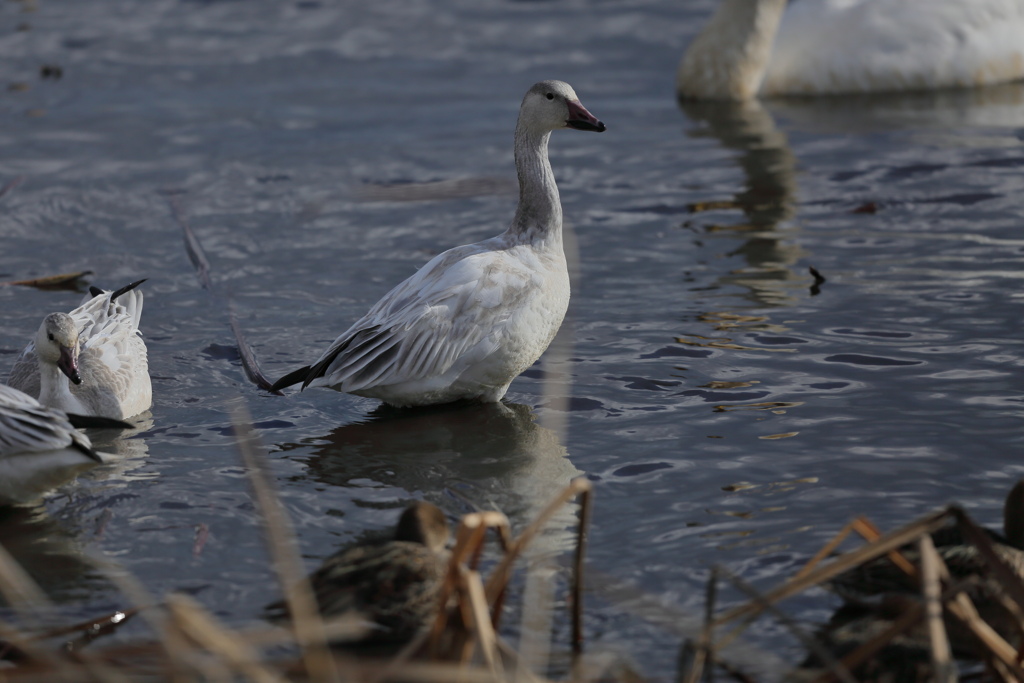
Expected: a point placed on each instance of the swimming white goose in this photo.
(98, 347)
(754, 48)
(474, 317)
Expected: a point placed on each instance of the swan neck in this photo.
(730, 56)
(539, 214)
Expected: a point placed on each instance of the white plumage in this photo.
(39, 448)
(474, 317)
(98, 347)
(763, 48)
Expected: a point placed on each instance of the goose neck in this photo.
(53, 384)
(539, 214)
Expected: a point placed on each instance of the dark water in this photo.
(297, 139)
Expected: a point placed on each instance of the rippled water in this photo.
(321, 152)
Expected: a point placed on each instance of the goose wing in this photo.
(455, 305)
(28, 427)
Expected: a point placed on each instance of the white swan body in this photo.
(99, 347)
(753, 48)
(474, 317)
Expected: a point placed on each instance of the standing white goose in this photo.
(474, 317)
(754, 48)
(98, 347)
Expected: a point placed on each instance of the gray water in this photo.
(323, 151)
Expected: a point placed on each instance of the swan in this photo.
(394, 583)
(754, 48)
(98, 347)
(474, 317)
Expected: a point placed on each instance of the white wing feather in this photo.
(428, 323)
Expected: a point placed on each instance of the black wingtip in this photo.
(127, 288)
(96, 422)
(96, 291)
(291, 378)
(87, 451)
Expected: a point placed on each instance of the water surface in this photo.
(321, 152)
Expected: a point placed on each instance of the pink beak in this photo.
(581, 119)
(68, 364)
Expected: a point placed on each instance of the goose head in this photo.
(551, 105)
(423, 523)
(57, 343)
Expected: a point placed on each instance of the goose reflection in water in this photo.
(52, 552)
(25, 480)
(495, 455)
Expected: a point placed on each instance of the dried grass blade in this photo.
(499, 577)
(963, 609)
(586, 504)
(891, 540)
(868, 650)
(481, 619)
(305, 617)
(704, 651)
(825, 551)
(931, 591)
(811, 643)
(169, 640)
(871, 533)
(18, 588)
(195, 622)
(1009, 580)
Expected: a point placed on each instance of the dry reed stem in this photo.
(871, 533)
(810, 642)
(1008, 579)
(204, 631)
(586, 504)
(825, 551)
(479, 617)
(305, 616)
(883, 545)
(704, 652)
(18, 588)
(870, 648)
(499, 577)
(942, 667)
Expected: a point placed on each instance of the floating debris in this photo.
(62, 281)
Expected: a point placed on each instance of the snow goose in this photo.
(98, 347)
(393, 583)
(40, 447)
(754, 48)
(474, 317)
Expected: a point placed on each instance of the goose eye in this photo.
(550, 96)
(49, 336)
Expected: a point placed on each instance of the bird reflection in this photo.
(776, 265)
(495, 455)
(28, 478)
(49, 552)
(767, 199)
